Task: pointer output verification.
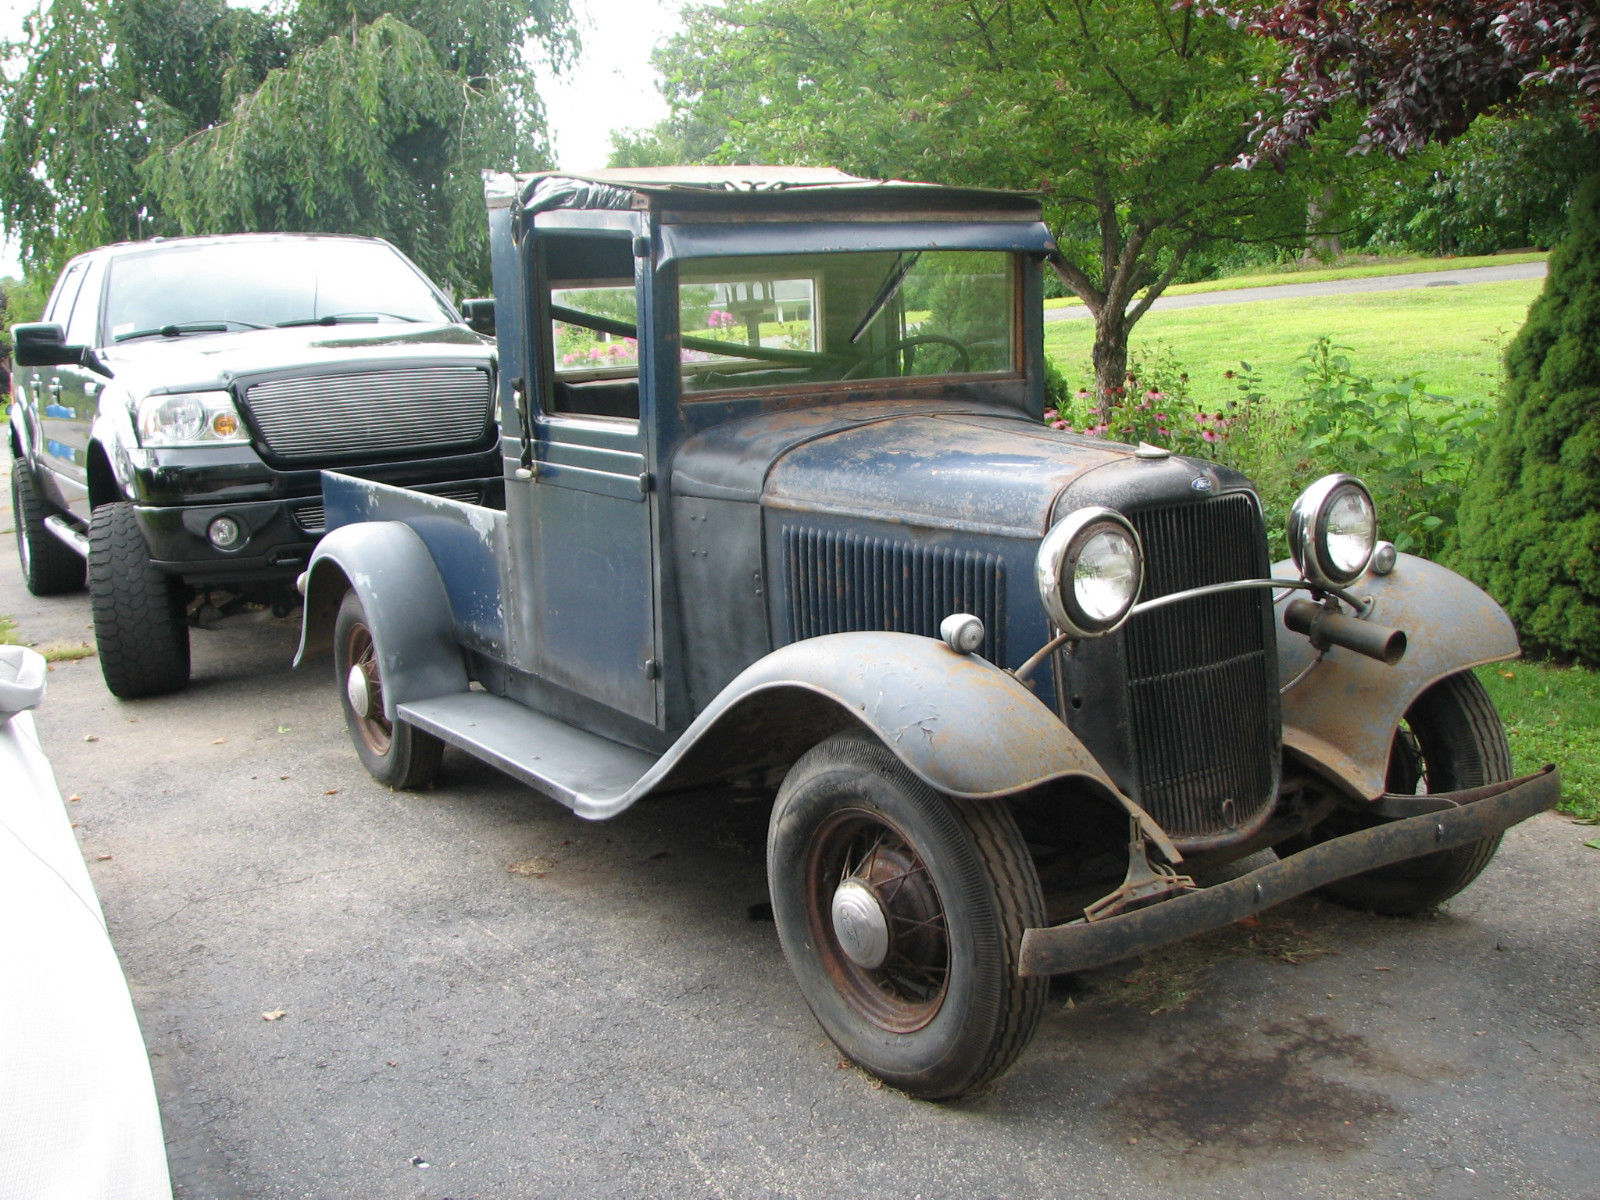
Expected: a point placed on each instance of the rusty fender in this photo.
(1479, 813)
(959, 723)
(1343, 715)
(405, 602)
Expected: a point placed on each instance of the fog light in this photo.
(225, 533)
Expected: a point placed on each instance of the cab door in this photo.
(66, 396)
(590, 583)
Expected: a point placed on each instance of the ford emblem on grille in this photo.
(1200, 483)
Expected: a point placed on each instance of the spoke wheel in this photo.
(858, 854)
(901, 912)
(393, 752)
(1450, 738)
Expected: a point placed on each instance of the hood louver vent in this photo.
(850, 582)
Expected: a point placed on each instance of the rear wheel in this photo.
(49, 566)
(901, 912)
(393, 752)
(141, 630)
(1450, 738)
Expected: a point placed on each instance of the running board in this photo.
(67, 532)
(586, 772)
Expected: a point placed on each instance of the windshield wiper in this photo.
(178, 329)
(886, 292)
(371, 317)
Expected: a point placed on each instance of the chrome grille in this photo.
(414, 409)
(1202, 675)
(846, 582)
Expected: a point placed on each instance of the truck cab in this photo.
(781, 517)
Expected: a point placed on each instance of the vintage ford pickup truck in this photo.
(781, 517)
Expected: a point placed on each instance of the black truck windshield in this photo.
(258, 284)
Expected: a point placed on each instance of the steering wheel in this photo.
(963, 359)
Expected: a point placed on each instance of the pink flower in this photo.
(1210, 435)
(1162, 432)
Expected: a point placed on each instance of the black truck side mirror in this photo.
(479, 316)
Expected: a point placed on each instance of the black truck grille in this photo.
(848, 582)
(1202, 675)
(420, 410)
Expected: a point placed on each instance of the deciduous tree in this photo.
(1127, 115)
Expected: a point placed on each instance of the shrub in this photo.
(1530, 524)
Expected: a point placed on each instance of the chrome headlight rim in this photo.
(1308, 530)
(1055, 570)
(167, 420)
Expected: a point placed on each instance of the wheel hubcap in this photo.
(358, 692)
(860, 924)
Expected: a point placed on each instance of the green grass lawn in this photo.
(1552, 714)
(1294, 273)
(1452, 335)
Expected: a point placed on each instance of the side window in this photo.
(82, 325)
(592, 301)
(66, 291)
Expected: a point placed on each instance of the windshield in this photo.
(260, 284)
(804, 319)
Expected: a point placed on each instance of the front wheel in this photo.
(393, 752)
(49, 566)
(141, 629)
(1450, 738)
(901, 912)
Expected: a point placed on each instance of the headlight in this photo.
(189, 419)
(1333, 530)
(1090, 567)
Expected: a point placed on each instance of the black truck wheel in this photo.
(393, 752)
(49, 566)
(1450, 738)
(901, 913)
(141, 631)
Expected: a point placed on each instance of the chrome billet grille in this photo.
(415, 409)
(1202, 674)
(848, 582)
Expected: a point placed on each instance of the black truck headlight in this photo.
(1333, 530)
(1090, 567)
(189, 419)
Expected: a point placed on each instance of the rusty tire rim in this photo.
(361, 655)
(854, 849)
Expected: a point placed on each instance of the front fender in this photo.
(1343, 715)
(405, 603)
(957, 722)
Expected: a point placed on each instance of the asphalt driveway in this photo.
(350, 992)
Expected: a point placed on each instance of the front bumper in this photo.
(1479, 813)
(279, 534)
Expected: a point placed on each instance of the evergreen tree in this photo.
(1530, 526)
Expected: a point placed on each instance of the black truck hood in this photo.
(937, 464)
(200, 361)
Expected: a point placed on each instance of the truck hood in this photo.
(938, 464)
(217, 360)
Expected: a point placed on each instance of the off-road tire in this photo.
(141, 631)
(50, 567)
(1450, 738)
(967, 862)
(394, 753)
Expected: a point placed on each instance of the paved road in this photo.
(1336, 287)
(486, 997)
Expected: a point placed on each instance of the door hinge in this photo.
(652, 668)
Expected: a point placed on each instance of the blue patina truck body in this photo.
(781, 516)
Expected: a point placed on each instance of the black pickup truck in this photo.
(173, 411)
